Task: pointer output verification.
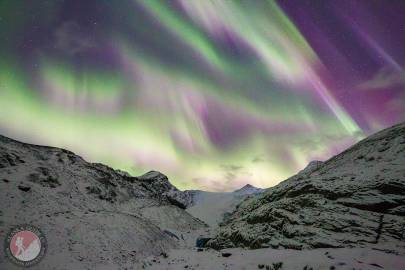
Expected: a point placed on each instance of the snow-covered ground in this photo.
(241, 259)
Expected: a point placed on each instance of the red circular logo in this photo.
(25, 245)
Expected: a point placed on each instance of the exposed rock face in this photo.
(356, 198)
(93, 216)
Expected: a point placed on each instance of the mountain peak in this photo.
(248, 189)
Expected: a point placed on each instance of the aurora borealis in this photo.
(215, 94)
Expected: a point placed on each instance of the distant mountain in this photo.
(354, 199)
(248, 189)
(93, 217)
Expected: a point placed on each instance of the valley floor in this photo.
(241, 259)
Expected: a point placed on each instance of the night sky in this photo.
(215, 94)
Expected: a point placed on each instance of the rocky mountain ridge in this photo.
(94, 217)
(354, 199)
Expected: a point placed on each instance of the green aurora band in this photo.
(215, 94)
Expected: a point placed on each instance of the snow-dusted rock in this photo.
(92, 216)
(311, 167)
(354, 199)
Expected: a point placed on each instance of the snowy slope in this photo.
(355, 199)
(93, 217)
(213, 207)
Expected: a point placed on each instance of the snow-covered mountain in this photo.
(248, 189)
(354, 199)
(92, 216)
(347, 212)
